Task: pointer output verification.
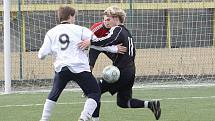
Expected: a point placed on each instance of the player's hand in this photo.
(121, 49)
(84, 44)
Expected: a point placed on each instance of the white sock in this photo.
(95, 118)
(47, 110)
(146, 103)
(129, 103)
(89, 108)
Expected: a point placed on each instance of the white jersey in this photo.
(62, 42)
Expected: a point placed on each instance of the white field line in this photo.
(168, 86)
(31, 105)
(111, 101)
(138, 87)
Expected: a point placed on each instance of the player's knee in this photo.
(53, 98)
(54, 95)
(95, 96)
(122, 104)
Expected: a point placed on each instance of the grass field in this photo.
(178, 104)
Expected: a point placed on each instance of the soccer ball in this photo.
(111, 74)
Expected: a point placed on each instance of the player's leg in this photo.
(60, 81)
(104, 87)
(93, 55)
(124, 100)
(47, 110)
(89, 85)
(124, 95)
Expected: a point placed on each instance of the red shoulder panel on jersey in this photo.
(99, 30)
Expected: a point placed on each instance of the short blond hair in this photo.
(116, 12)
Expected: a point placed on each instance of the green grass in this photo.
(178, 104)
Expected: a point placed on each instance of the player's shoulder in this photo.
(116, 28)
(97, 26)
(81, 28)
(54, 29)
(61, 27)
(51, 31)
(98, 23)
(74, 26)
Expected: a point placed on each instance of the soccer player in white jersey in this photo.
(70, 63)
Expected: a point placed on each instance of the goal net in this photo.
(174, 39)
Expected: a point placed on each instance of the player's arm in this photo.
(46, 48)
(87, 34)
(113, 49)
(110, 39)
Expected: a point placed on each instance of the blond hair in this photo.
(116, 12)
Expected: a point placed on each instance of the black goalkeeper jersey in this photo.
(118, 34)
